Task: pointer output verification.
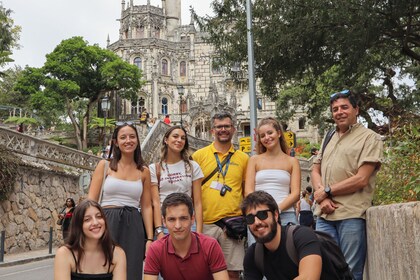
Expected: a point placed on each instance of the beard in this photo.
(269, 236)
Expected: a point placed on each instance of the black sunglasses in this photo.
(261, 215)
(124, 123)
(224, 189)
(343, 92)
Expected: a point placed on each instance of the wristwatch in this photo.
(158, 230)
(327, 190)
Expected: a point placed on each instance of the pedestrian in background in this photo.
(167, 120)
(66, 215)
(89, 252)
(126, 196)
(303, 210)
(175, 172)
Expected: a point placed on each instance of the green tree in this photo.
(77, 75)
(9, 36)
(305, 50)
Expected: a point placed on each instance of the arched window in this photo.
(183, 69)
(137, 62)
(302, 122)
(164, 106)
(157, 32)
(164, 67)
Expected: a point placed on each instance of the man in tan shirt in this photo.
(343, 176)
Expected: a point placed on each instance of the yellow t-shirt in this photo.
(215, 206)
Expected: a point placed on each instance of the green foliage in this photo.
(398, 180)
(305, 50)
(9, 35)
(74, 77)
(21, 120)
(9, 166)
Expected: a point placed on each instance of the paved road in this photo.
(40, 270)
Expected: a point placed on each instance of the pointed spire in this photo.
(107, 41)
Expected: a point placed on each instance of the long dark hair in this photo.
(73, 204)
(283, 145)
(184, 152)
(116, 152)
(76, 239)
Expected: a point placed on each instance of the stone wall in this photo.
(393, 233)
(33, 208)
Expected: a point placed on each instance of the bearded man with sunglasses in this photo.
(222, 188)
(262, 216)
(343, 177)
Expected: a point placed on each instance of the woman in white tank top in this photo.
(273, 170)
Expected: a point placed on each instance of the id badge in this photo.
(216, 185)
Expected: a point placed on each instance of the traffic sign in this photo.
(245, 144)
(290, 138)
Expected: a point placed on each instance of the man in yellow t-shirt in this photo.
(222, 192)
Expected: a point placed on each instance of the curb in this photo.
(27, 260)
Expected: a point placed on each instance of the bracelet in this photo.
(149, 239)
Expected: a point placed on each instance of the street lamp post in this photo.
(180, 93)
(105, 105)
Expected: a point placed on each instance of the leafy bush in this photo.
(9, 165)
(398, 180)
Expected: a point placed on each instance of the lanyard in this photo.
(220, 166)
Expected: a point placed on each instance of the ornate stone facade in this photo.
(171, 55)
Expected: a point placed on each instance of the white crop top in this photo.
(276, 182)
(118, 192)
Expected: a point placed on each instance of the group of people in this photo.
(170, 212)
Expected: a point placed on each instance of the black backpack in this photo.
(336, 268)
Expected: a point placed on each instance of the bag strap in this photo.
(217, 168)
(157, 166)
(103, 181)
(327, 139)
(290, 244)
(259, 256)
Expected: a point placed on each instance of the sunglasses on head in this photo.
(343, 92)
(261, 215)
(124, 124)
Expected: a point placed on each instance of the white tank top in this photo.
(118, 192)
(304, 206)
(276, 182)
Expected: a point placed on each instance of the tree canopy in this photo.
(305, 50)
(9, 36)
(74, 77)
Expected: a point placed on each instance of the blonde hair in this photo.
(283, 145)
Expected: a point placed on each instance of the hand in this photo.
(320, 195)
(328, 206)
(61, 216)
(148, 243)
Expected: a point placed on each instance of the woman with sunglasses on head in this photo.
(126, 191)
(273, 170)
(175, 172)
(89, 252)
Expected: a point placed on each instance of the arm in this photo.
(120, 268)
(310, 268)
(62, 264)
(293, 197)
(316, 177)
(96, 183)
(146, 206)
(349, 185)
(221, 275)
(150, 277)
(157, 214)
(251, 170)
(198, 208)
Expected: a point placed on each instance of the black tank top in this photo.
(84, 276)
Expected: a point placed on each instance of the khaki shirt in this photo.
(342, 158)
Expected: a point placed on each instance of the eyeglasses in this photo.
(220, 127)
(224, 189)
(261, 215)
(343, 92)
(124, 123)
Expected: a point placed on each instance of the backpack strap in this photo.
(327, 139)
(259, 256)
(290, 243)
